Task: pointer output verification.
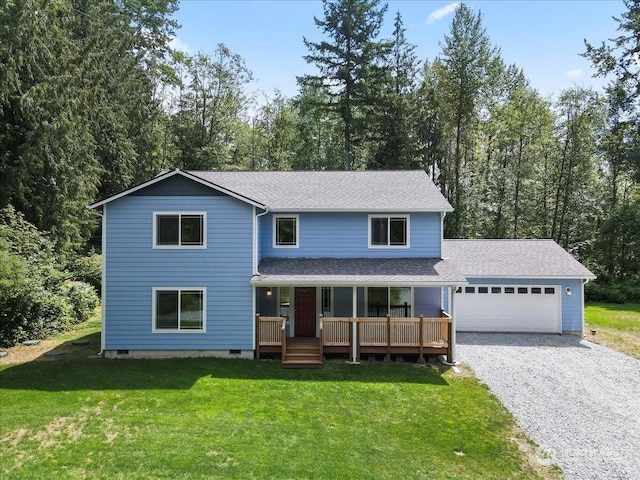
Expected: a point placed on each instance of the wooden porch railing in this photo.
(382, 335)
(389, 335)
(271, 335)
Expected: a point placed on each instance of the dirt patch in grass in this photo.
(537, 458)
(625, 342)
(30, 353)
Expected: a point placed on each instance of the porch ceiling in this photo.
(357, 271)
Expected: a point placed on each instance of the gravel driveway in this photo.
(577, 400)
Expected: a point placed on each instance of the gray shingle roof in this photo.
(363, 271)
(334, 191)
(513, 258)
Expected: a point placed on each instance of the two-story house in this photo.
(234, 263)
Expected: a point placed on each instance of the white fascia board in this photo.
(530, 277)
(166, 175)
(359, 210)
(338, 283)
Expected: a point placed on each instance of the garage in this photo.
(509, 308)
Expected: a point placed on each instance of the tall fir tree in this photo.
(350, 66)
(397, 143)
(465, 67)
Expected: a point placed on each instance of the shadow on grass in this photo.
(521, 340)
(72, 374)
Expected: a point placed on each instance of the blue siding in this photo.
(134, 268)
(572, 306)
(426, 302)
(345, 235)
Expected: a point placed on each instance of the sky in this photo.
(543, 37)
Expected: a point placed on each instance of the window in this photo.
(285, 231)
(326, 301)
(523, 290)
(550, 291)
(469, 289)
(180, 230)
(389, 231)
(536, 290)
(496, 289)
(284, 294)
(509, 290)
(395, 301)
(178, 309)
(377, 301)
(483, 289)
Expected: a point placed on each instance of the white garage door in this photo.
(508, 308)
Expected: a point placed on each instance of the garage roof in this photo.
(513, 259)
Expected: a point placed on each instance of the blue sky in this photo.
(544, 38)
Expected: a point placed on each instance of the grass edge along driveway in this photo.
(617, 326)
(80, 417)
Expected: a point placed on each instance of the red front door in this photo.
(305, 312)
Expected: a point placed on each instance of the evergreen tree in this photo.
(349, 64)
(398, 146)
(464, 68)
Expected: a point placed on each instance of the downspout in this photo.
(255, 264)
(584, 282)
(255, 238)
(442, 215)
(103, 280)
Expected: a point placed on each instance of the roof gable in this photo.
(175, 188)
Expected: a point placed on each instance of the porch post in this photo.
(354, 325)
(452, 340)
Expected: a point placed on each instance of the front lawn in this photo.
(80, 417)
(617, 326)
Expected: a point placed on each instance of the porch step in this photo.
(302, 353)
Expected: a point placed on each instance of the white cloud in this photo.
(177, 44)
(442, 12)
(577, 73)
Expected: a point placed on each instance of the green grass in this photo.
(617, 326)
(80, 417)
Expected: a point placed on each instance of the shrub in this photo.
(621, 292)
(29, 313)
(37, 299)
(83, 299)
(88, 269)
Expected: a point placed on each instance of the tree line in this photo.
(93, 100)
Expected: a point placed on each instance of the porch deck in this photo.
(356, 336)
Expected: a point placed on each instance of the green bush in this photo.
(621, 292)
(37, 297)
(30, 313)
(83, 299)
(88, 269)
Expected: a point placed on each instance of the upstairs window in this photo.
(389, 231)
(179, 230)
(285, 231)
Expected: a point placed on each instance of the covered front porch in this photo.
(354, 308)
(356, 336)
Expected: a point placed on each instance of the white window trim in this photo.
(179, 247)
(178, 330)
(389, 216)
(275, 220)
(389, 287)
(320, 306)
